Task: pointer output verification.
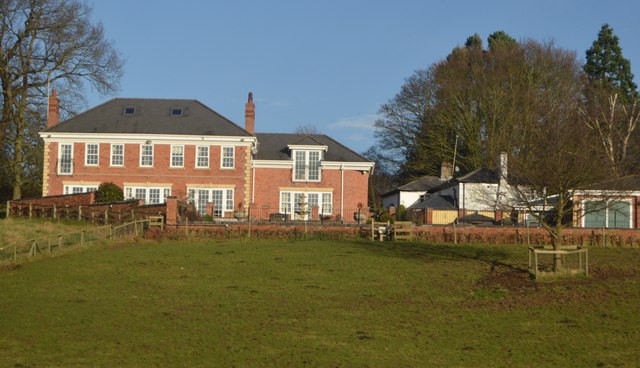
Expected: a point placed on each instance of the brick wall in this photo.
(431, 234)
(80, 199)
(269, 182)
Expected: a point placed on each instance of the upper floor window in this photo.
(202, 156)
(128, 110)
(177, 156)
(306, 165)
(117, 155)
(228, 154)
(65, 159)
(91, 154)
(146, 155)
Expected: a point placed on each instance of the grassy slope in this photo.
(316, 304)
(21, 230)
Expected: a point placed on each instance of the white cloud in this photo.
(365, 121)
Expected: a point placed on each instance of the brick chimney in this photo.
(53, 116)
(250, 115)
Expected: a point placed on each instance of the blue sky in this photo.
(325, 63)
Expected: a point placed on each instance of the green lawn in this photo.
(316, 303)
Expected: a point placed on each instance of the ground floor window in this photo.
(74, 189)
(150, 195)
(610, 214)
(222, 199)
(301, 204)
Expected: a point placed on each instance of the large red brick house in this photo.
(155, 148)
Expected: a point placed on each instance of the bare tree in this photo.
(45, 42)
(308, 129)
(613, 124)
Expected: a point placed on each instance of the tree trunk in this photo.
(557, 241)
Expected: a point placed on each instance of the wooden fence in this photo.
(100, 214)
(51, 244)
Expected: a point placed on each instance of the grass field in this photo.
(316, 303)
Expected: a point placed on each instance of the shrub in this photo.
(109, 192)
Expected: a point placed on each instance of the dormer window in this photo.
(176, 111)
(306, 165)
(128, 110)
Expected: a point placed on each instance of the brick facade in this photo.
(131, 173)
(196, 126)
(270, 182)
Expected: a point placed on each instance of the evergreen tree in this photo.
(607, 68)
(500, 39)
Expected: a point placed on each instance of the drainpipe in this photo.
(342, 191)
(253, 182)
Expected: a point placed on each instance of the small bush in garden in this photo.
(109, 192)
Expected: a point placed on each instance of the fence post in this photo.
(82, 237)
(106, 216)
(110, 232)
(135, 228)
(8, 209)
(60, 241)
(79, 213)
(34, 247)
(49, 244)
(54, 211)
(186, 226)
(133, 216)
(30, 209)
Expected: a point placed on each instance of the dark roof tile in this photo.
(152, 116)
(275, 146)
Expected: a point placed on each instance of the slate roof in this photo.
(481, 175)
(436, 201)
(152, 116)
(631, 182)
(422, 184)
(274, 146)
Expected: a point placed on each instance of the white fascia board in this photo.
(335, 165)
(607, 193)
(154, 138)
(307, 147)
(272, 164)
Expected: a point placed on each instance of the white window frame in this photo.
(173, 147)
(208, 157)
(222, 157)
(112, 155)
(227, 200)
(79, 188)
(606, 208)
(130, 193)
(86, 154)
(306, 164)
(60, 172)
(141, 154)
(292, 205)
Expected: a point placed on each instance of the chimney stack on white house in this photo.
(503, 169)
(53, 114)
(250, 115)
(446, 171)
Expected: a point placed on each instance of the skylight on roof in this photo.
(176, 111)
(128, 110)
